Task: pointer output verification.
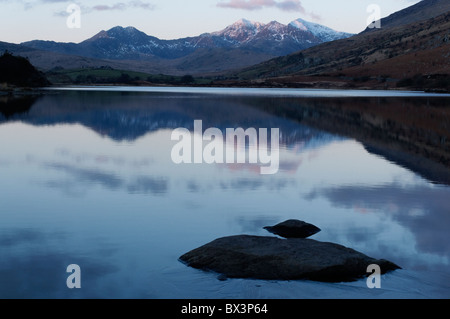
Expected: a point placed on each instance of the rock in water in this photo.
(293, 229)
(271, 258)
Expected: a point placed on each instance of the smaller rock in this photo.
(293, 229)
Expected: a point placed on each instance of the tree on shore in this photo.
(18, 71)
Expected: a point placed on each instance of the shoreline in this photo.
(257, 85)
(320, 84)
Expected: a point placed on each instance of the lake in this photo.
(87, 178)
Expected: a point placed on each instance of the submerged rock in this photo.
(293, 229)
(271, 258)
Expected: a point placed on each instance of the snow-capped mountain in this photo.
(240, 31)
(322, 32)
(273, 39)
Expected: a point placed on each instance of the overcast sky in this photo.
(24, 20)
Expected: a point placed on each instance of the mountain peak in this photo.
(100, 35)
(116, 29)
(274, 25)
(320, 31)
(241, 31)
(299, 24)
(111, 33)
(244, 22)
(117, 38)
(122, 30)
(247, 24)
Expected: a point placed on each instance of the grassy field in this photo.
(111, 76)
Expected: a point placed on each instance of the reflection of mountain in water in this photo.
(11, 106)
(413, 132)
(128, 116)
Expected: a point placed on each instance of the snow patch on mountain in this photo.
(324, 33)
(240, 31)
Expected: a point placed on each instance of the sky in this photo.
(26, 20)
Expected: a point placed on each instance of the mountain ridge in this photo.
(423, 10)
(125, 43)
(413, 53)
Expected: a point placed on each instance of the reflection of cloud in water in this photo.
(256, 225)
(31, 268)
(148, 185)
(4, 162)
(108, 180)
(247, 184)
(103, 159)
(193, 186)
(84, 177)
(25, 236)
(255, 184)
(290, 165)
(423, 210)
(79, 179)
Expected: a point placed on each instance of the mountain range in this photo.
(241, 44)
(129, 43)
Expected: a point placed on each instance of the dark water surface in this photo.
(86, 178)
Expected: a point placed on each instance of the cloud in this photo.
(121, 6)
(118, 6)
(284, 5)
(315, 16)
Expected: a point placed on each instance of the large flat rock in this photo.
(271, 258)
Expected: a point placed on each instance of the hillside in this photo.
(108, 76)
(424, 10)
(414, 55)
(19, 72)
(46, 61)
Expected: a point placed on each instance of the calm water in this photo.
(87, 178)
